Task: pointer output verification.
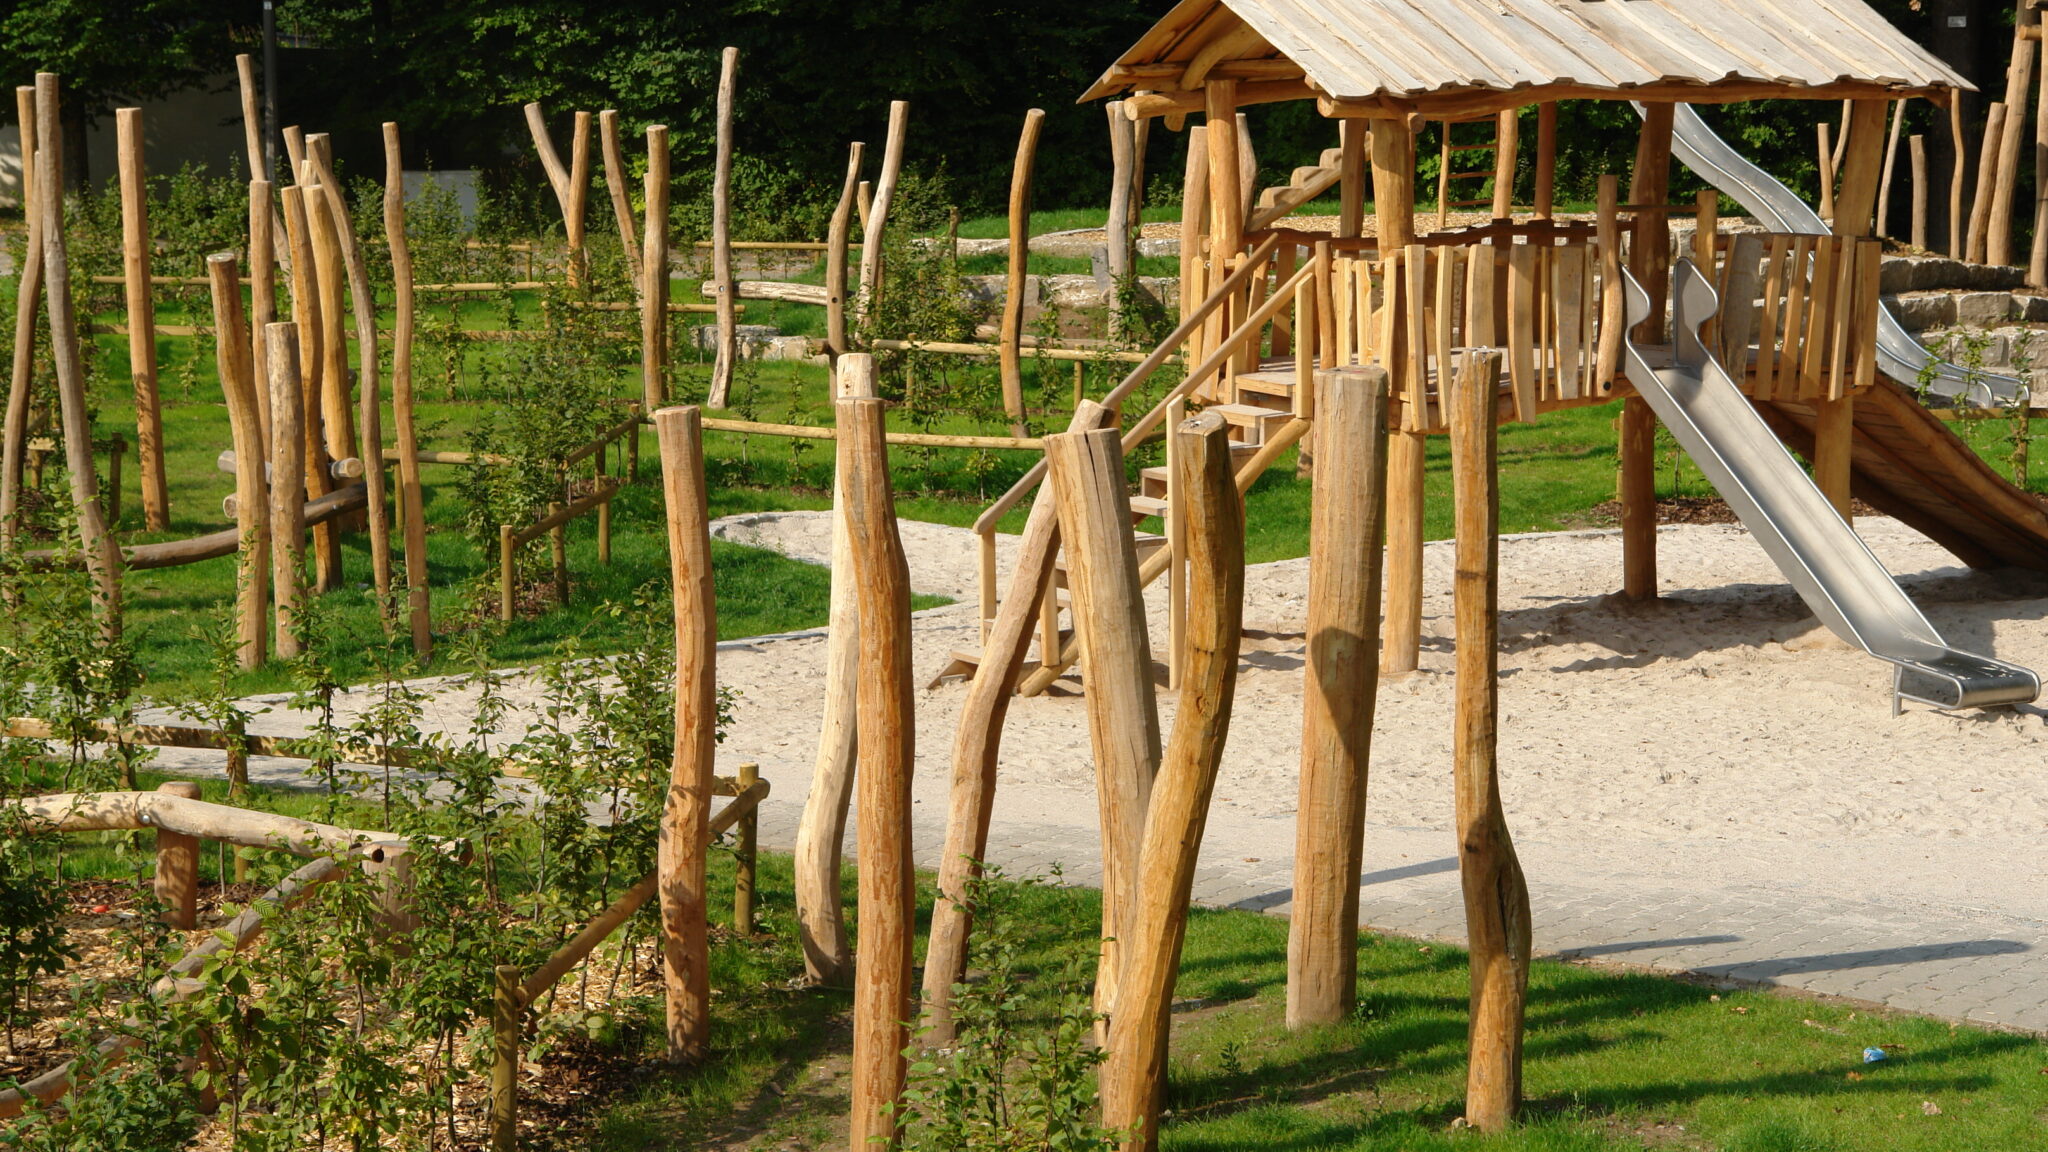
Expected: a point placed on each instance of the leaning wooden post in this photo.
(287, 496)
(306, 327)
(1134, 1080)
(875, 218)
(337, 417)
(28, 295)
(1010, 349)
(686, 815)
(746, 837)
(135, 251)
(1987, 180)
(262, 293)
(1891, 162)
(412, 516)
(1124, 206)
(835, 255)
(1958, 173)
(1650, 262)
(1086, 470)
(1496, 897)
(1916, 149)
(615, 184)
(976, 742)
(245, 425)
(654, 280)
(507, 1008)
(1827, 163)
(177, 866)
(821, 833)
(2037, 257)
(728, 350)
(1346, 509)
(102, 552)
(1393, 188)
(2018, 82)
(887, 735)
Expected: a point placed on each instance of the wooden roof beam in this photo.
(1472, 103)
(1241, 40)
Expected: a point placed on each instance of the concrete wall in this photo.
(199, 126)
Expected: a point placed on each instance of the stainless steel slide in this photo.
(1780, 209)
(1826, 562)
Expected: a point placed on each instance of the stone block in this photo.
(1936, 273)
(1919, 311)
(1983, 309)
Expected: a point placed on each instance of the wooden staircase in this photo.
(1303, 185)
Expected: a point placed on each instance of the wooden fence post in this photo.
(28, 294)
(887, 736)
(558, 555)
(177, 866)
(287, 494)
(746, 838)
(686, 815)
(875, 219)
(135, 253)
(1134, 1079)
(506, 1012)
(1916, 149)
(1347, 508)
(615, 185)
(1496, 896)
(505, 570)
(654, 287)
(412, 516)
(1086, 471)
(1009, 350)
(728, 350)
(245, 424)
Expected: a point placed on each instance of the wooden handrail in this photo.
(556, 519)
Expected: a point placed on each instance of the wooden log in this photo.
(1352, 144)
(782, 290)
(369, 396)
(173, 811)
(654, 277)
(1496, 897)
(252, 497)
(686, 815)
(1650, 262)
(727, 352)
(264, 229)
(135, 252)
(615, 184)
(743, 853)
(875, 217)
(1987, 180)
(507, 1018)
(1546, 159)
(1862, 163)
(1507, 143)
(1393, 189)
(977, 740)
(923, 439)
(1134, 1079)
(2019, 83)
(177, 865)
(835, 255)
(1891, 162)
(1958, 172)
(1226, 185)
(1008, 350)
(2037, 257)
(821, 832)
(287, 498)
(575, 213)
(28, 294)
(882, 984)
(1916, 149)
(1342, 680)
(1825, 132)
(307, 326)
(412, 514)
(1125, 206)
(1086, 470)
(102, 553)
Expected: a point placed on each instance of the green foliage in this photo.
(31, 939)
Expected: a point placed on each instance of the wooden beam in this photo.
(835, 255)
(726, 355)
(411, 513)
(654, 275)
(615, 185)
(287, 493)
(238, 386)
(1011, 367)
(1226, 188)
(1393, 195)
(135, 254)
(28, 294)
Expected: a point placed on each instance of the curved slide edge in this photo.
(1777, 207)
(1830, 566)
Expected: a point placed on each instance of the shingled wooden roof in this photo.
(1417, 54)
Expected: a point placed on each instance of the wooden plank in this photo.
(1820, 302)
(1738, 302)
(1521, 357)
(1571, 280)
(1774, 289)
(1414, 358)
(1785, 383)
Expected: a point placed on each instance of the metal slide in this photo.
(1780, 209)
(1830, 566)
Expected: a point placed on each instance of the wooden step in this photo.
(1257, 422)
(1149, 506)
(1274, 382)
(1147, 543)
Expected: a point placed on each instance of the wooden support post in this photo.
(2037, 257)
(1638, 494)
(1134, 1079)
(263, 234)
(835, 255)
(1958, 172)
(1124, 208)
(1226, 181)
(1506, 146)
(1862, 163)
(654, 282)
(976, 743)
(102, 551)
(2018, 86)
(252, 501)
(1009, 349)
(412, 515)
(576, 212)
(28, 295)
(177, 866)
(1393, 190)
(1194, 237)
(1086, 470)
(1834, 431)
(135, 253)
(1650, 262)
(505, 571)
(686, 815)
(887, 734)
(615, 185)
(1916, 149)
(1177, 562)
(1546, 159)
(507, 1012)
(306, 326)
(726, 355)
(875, 216)
(287, 497)
(1342, 679)
(1891, 163)
(1825, 132)
(1496, 896)
(1987, 182)
(746, 837)
(821, 833)
(1351, 176)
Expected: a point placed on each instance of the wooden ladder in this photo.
(1502, 145)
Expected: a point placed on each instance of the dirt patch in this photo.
(1681, 510)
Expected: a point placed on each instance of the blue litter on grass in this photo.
(1873, 1055)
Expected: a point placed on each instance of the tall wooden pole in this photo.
(1124, 205)
(2018, 86)
(413, 519)
(1916, 150)
(875, 220)
(1496, 896)
(1650, 262)
(135, 253)
(27, 302)
(1226, 184)
(1987, 183)
(1134, 1080)
(306, 329)
(836, 245)
(576, 212)
(821, 833)
(654, 275)
(263, 234)
(1958, 172)
(615, 185)
(245, 426)
(2037, 256)
(1348, 503)
(1393, 194)
(976, 743)
(686, 814)
(1009, 351)
(1086, 470)
(728, 350)
(102, 552)
(1834, 422)
(882, 981)
(1891, 162)
(287, 493)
